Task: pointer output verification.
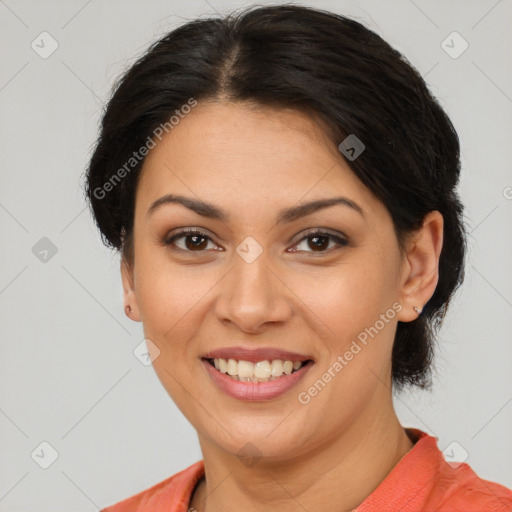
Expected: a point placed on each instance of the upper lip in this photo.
(255, 354)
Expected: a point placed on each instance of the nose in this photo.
(252, 295)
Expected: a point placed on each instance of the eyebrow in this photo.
(287, 215)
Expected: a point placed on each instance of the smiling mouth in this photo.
(260, 371)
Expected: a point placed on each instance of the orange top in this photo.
(422, 481)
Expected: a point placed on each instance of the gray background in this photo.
(68, 373)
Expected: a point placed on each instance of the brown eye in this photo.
(318, 241)
(193, 240)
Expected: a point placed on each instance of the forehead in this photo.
(251, 156)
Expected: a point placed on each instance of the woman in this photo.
(281, 186)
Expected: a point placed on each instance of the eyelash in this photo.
(342, 242)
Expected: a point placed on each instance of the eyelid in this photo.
(341, 240)
(320, 231)
(169, 238)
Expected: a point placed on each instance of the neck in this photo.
(336, 476)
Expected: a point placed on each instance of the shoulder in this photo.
(461, 489)
(424, 481)
(175, 491)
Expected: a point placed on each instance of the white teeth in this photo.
(276, 368)
(245, 369)
(261, 371)
(232, 367)
(223, 365)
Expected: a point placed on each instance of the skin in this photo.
(332, 452)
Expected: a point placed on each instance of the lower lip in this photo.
(254, 391)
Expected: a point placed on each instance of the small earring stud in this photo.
(128, 310)
(417, 309)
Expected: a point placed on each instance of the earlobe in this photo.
(131, 307)
(421, 271)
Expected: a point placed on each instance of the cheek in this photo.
(165, 290)
(354, 318)
(349, 297)
(169, 301)
(168, 297)
(345, 309)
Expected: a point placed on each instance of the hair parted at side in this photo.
(331, 67)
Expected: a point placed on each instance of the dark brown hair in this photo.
(329, 66)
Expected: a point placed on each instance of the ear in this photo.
(420, 273)
(129, 296)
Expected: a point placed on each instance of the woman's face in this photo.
(258, 280)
